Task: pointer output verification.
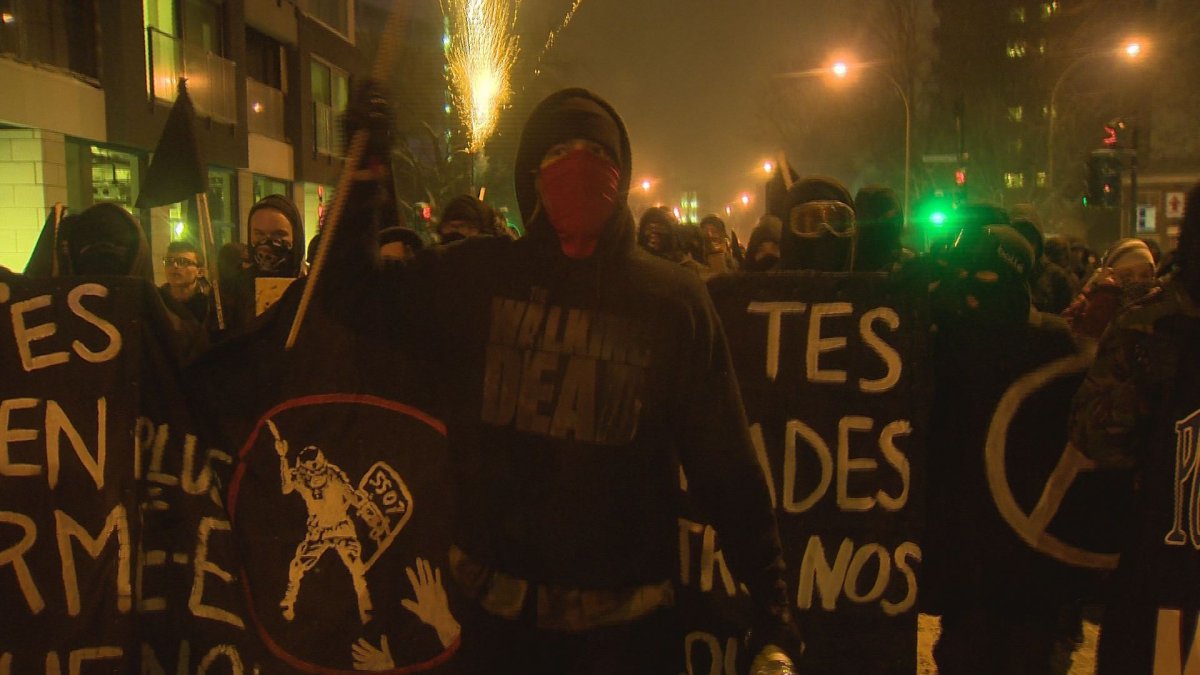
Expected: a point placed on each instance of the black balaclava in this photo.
(104, 239)
(879, 217)
(275, 258)
(769, 229)
(657, 233)
(567, 114)
(984, 280)
(823, 252)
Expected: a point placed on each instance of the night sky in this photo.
(694, 81)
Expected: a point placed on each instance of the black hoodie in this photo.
(113, 232)
(575, 389)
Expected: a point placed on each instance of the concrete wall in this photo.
(33, 176)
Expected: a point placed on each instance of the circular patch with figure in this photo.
(340, 507)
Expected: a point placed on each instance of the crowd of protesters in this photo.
(1003, 299)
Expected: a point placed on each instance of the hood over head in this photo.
(668, 228)
(104, 239)
(288, 208)
(567, 114)
(769, 229)
(471, 210)
(825, 252)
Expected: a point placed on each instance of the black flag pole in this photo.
(354, 153)
(177, 172)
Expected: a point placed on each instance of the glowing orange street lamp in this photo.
(745, 199)
(840, 69)
(768, 167)
(646, 184)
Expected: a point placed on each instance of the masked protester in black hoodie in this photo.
(1000, 600)
(106, 240)
(581, 373)
(819, 231)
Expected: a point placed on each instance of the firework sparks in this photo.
(483, 49)
(561, 27)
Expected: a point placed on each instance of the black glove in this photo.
(368, 109)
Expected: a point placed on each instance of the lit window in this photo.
(1045, 111)
(1040, 179)
(1017, 15)
(1016, 113)
(1042, 46)
(1014, 180)
(1049, 9)
(1016, 49)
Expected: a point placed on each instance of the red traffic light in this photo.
(960, 177)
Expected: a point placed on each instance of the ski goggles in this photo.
(815, 218)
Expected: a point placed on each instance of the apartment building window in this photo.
(1016, 49)
(333, 13)
(1016, 113)
(1017, 15)
(266, 60)
(1014, 180)
(1040, 179)
(186, 39)
(1041, 47)
(330, 93)
(59, 33)
(1049, 9)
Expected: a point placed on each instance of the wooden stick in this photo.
(358, 145)
(210, 254)
(59, 209)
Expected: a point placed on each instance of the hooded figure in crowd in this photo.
(276, 238)
(819, 231)
(762, 253)
(879, 217)
(567, 467)
(1000, 600)
(1055, 287)
(1125, 276)
(106, 240)
(1139, 409)
(466, 216)
(718, 252)
(657, 233)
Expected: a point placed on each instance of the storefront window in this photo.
(114, 176)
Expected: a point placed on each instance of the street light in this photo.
(1131, 50)
(646, 185)
(841, 69)
(768, 167)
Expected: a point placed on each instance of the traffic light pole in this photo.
(1133, 185)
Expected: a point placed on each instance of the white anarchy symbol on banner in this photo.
(1031, 527)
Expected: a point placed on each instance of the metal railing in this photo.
(325, 129)
(211, 80)
(264, 109)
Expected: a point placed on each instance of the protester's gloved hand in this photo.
(774, 643)
(368, 109)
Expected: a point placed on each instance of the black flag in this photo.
(177, 170)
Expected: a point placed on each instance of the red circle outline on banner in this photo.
(231, 500)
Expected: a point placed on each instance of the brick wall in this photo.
(33, 177)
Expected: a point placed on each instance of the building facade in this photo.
(1026, 87)
(89, 84)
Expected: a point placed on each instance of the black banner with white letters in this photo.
(833, 373)
(115, 552)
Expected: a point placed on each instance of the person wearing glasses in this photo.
(186, 292)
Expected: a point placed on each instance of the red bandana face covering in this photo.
(579, 192)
